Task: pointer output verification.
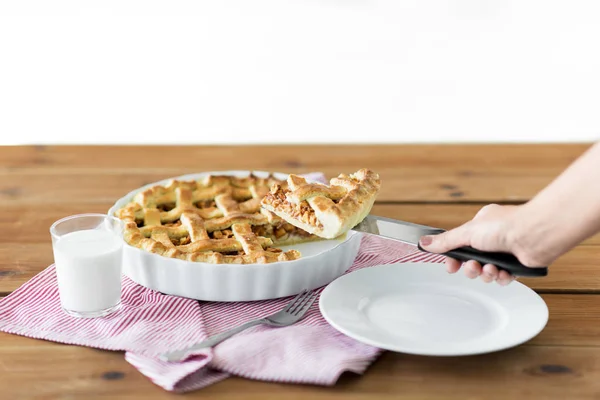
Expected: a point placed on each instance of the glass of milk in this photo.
(88, 252)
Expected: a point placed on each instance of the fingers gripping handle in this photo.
(505, 261)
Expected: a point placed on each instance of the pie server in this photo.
(407, 232)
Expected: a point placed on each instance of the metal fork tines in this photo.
(290, 314)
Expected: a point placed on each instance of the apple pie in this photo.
(217, 219)
(327, 211)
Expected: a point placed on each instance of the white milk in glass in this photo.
(88, 269)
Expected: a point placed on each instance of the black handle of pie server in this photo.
(504, 261)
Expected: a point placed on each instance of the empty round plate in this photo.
(418, 308)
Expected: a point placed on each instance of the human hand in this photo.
(492, 229)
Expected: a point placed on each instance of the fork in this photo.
(290, 314)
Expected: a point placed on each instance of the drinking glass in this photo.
(88, 253)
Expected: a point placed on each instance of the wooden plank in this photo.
(54, 189)
(574, 321)
(576, 271)
(509, 156)
(419, 173)
(418, 186)
(28, 224)
(562, 362)
(20, 262)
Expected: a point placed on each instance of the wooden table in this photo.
(441, 185)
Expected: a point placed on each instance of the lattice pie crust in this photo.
(217, 219)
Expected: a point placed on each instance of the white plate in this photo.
(321, 262)
(418, 308)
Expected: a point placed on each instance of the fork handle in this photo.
(180, 355)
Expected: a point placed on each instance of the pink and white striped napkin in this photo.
(151, 323)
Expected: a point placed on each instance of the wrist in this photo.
(530, 237)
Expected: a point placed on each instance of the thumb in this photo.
(445, 241)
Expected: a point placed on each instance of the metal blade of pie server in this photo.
(402, 231)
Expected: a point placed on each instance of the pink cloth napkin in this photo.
(150, 323)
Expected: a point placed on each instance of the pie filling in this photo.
(301, 212)
(166, 207)
(181, 241)
(205, 204)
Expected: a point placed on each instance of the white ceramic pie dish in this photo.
(321, 263)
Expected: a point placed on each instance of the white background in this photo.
(296, 71)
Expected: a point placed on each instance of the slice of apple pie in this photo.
(327, 211)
